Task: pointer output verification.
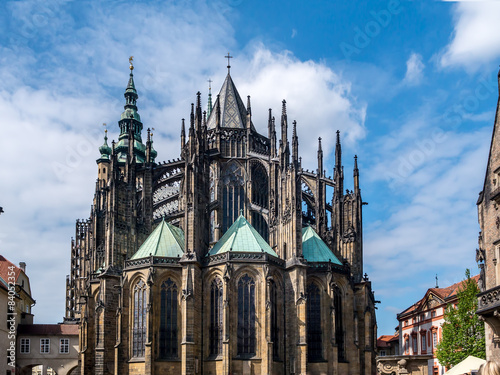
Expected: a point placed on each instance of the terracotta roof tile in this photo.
(4, 269)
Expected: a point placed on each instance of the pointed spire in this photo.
(209, 109)
(217, 112)
(356, 174)
(284, 123)
(295, 145)
(198, 116)
(338, 151)
(249, 107)
(183, 135)
(249, 113)
(320, 158)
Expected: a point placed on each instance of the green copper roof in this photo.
(242, 237)
(314, 249)
(165, 241)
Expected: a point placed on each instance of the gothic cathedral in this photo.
(228, 260)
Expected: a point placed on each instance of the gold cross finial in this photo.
(131, 61)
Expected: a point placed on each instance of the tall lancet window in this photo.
(246, 316)
(216, 317)
(339, 324)
(233, 194)
(168, 320)
(260, 186)
(314, 334)
(275, 330)
(139, 315)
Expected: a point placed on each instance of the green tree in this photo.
(463, 332)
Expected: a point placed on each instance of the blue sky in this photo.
(412, 86)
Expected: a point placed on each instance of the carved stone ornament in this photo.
(302, 299)
(227, 272)
(186, 294)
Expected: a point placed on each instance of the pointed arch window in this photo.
(168, 320)
(216, 317)
(233, 194)
(260, 188)
(339, 324)
(275, 329)
(139, 316)
(246, 316)
(314, 332)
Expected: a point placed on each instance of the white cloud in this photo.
(476, 35)
(67, 77)
(414, 69)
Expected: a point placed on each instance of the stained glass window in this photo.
(260, 186)
(216, 317)
(339, 324)
(314, 333)
(233, 195)
(168, 320)
(246, 316)
(139, 327)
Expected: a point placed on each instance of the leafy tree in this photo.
(463, 332)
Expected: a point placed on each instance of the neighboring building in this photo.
(388, 345)
(229, 260)
(14, 289)
(42, 347)
(420, 328)
(488, 253)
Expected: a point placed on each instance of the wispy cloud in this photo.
(414, 69)
(476, 35)
(66, 76)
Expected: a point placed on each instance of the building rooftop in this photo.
(47, 329)
(166, 240)
(314, 249)
(242, 237)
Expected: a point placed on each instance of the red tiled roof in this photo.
(385, 340)
(443, 293)
(4, 269)
(48, 329)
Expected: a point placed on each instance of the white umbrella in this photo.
(466, 366)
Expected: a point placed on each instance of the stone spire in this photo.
(209, 108)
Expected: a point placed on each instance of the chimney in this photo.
(22, 265)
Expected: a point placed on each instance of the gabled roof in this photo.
(314, 249)
(242, 237)
(233, 113)
(5, 270)
(385, 340)
(442, 295)
(165, 241)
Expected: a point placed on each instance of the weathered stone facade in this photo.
(226, 170)
(489, 246)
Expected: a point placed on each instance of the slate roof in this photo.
(165, 241)
(242, 237)
(314, 249)
(233, 112)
